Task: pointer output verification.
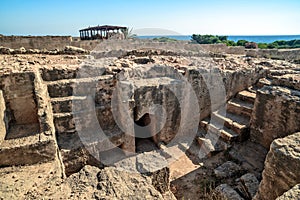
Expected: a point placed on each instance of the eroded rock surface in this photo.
(293, 193)
(93, 183)
(281, 168)
(228, 192)
(227, 169)
(275, 114)
(248, 185)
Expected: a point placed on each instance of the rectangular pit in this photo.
(20, 107)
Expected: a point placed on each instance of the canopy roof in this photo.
(104, 27)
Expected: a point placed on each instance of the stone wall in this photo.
(282, 166)
(223, 48)
(60, 42)
(275, 114)
(46, 42)
(86, 44)
(35, 42)
(281, 54)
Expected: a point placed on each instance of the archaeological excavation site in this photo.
(139, 119)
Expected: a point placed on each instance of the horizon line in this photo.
(159, 34)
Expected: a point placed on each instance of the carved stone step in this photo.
(77, 87)
(218, 130)
(94, 116)
(207, 147)
(237, 123)
(70, 104)
(65, 122)
(240, 107)
(264, 81)
(246, 96)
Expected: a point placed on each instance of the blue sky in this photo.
(235, 17)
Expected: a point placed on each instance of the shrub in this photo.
(272, 46)
(212, 39)
(241, 42)
(262, 45)
(206, 39)
(164, 39)
(230, 43)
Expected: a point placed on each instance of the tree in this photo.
(206, 39)
(230, 43)
(212, 39)
(223, 38)
(128, 33)
(272, 46)
(242, 42)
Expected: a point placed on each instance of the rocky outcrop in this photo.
(275, 114)
(109, 183)
(44, 181)
(281, 168)
(116, 184)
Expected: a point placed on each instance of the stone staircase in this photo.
(227, 127)
(70, 97)
(77, 104)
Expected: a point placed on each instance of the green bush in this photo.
(262, 45)
(272, 46)
(242, 42)
(215, 39)
(230, 43)
(223, 38)
(207, 39)
(165, 39)
(280, 44)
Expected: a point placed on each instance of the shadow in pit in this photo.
(144, 141)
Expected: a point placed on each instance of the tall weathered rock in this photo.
(275, 114)
(281, 168)
(2, 117)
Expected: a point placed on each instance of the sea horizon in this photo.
(235, 38)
